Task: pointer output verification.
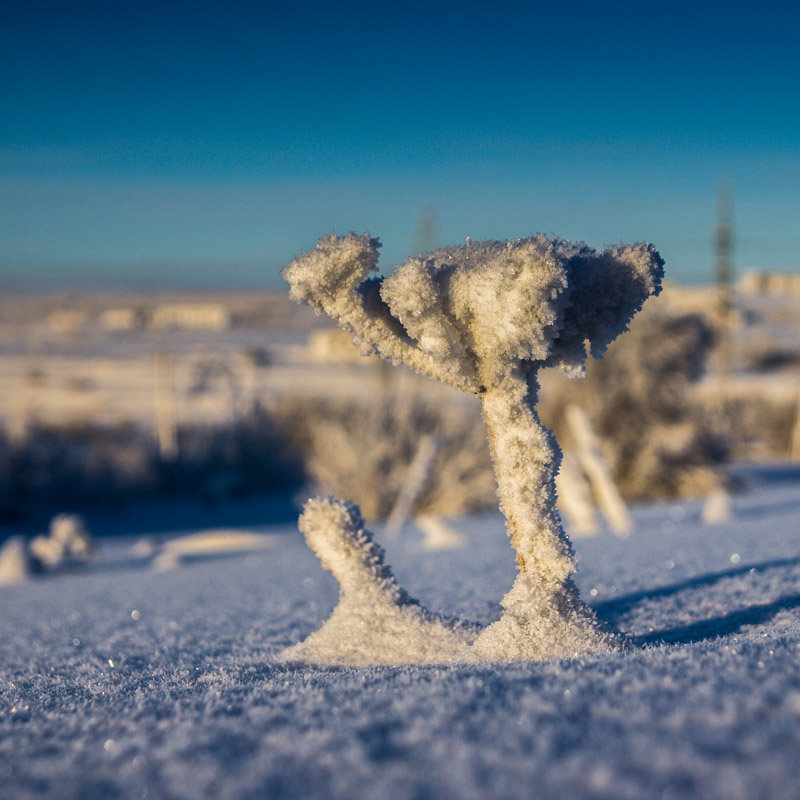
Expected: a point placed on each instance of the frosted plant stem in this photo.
(597, 469)
(527, 491)
(543, 599)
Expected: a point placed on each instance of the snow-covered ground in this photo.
(123, 681)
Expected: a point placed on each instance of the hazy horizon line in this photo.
(157, 275)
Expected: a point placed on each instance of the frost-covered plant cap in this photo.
(535, 299)
(607, 290)
(336, 266)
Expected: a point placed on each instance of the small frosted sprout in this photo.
(67, 541)
(375, 621)
(485, 318)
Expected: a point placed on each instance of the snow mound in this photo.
(67, 541)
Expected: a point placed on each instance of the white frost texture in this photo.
(485, 318)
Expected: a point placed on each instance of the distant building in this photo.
(756, 282)
(191, 316)
(121, 319)
(332, 346)
(66, 321)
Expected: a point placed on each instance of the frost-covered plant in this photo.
(485, 318)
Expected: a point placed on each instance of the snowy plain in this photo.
(121, 681)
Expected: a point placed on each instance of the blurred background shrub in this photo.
(80, 465)
(659, 443)
(673, 400)
(364, 448)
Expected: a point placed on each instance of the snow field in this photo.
(121, 681)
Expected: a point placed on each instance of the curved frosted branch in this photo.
(375, 620)
(333, 278)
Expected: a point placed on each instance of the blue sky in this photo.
(196, 144)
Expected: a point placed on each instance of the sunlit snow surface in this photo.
(122, 681)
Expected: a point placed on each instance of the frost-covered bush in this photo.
(659, 442)
(362, 448)
(248, 456)
(486, 318)
(74, 465)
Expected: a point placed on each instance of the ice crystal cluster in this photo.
(485, 317)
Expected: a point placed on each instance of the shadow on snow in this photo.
(710, 628)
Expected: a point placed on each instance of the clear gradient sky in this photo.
(189, 144)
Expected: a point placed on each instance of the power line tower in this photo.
(723, 246)
(723, 242)
(426, 233)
